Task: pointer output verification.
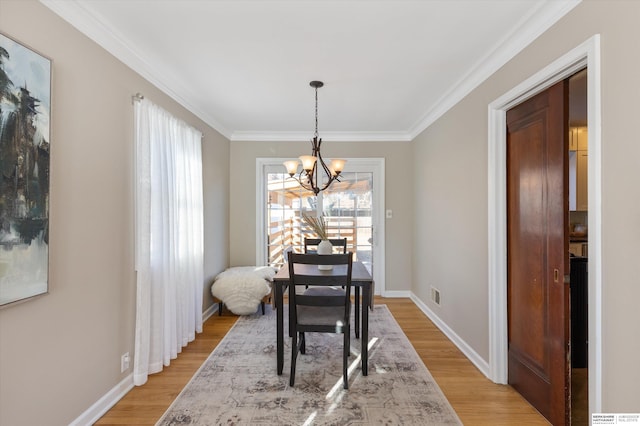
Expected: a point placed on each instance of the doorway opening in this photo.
(585, 55)
(579, 246)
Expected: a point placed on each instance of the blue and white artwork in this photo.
(25, 110)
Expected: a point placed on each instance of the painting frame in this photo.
(25, 146)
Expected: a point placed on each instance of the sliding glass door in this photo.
(351, 207)
(286, 201)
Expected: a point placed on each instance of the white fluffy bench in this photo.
(242, 288)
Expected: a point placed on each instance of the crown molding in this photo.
(76, 14)
(325, 136)
(530, 27)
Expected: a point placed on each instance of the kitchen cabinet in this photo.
(578, 287)
(578, 139)
(578, 249)
(582, 201)
(573, 139)
(578, 169)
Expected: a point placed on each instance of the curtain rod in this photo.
(139, 96)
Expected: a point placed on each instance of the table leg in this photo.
(279, 327)
(366, 301)
(291, 331)
(357, 312)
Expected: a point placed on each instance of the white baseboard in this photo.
(209, 311)
(467, 350)
(394, 294)
(97, 410)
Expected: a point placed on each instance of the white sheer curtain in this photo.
(169, 237)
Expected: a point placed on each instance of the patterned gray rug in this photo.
(238, 384)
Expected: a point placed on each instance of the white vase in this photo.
(325, 247)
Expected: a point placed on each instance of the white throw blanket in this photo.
(242, 288)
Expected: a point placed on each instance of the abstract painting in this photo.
(25, 109)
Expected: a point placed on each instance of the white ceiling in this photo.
(390, 68)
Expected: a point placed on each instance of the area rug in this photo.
(238, 384)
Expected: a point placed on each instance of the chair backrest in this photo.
(303, 271)
(336, 242)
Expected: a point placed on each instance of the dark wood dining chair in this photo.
(324, 308)
(313, 242)
(339, 243)
(335, 242)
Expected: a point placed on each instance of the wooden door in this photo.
(538, 252)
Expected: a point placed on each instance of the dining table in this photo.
(360, 279)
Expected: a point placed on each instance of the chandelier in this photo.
(315, 175)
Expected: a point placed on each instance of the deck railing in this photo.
(290, 233)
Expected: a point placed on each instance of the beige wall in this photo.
(450, 170)
(60, 353)
(398, 185)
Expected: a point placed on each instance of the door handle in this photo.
(556, 275)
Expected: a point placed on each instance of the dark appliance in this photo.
(579, 312)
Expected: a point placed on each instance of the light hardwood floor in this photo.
(476, 399)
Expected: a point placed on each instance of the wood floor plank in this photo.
(476, 400)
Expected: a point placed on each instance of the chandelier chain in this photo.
(316, 133)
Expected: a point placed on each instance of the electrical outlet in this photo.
(124, 362)
(435, 295)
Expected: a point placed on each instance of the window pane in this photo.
(286, 200)
(346, 205)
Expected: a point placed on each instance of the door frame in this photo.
(376, 166)
(585, 55)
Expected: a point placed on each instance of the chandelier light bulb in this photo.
(308, 161)
(292, 167)
(337, 165)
